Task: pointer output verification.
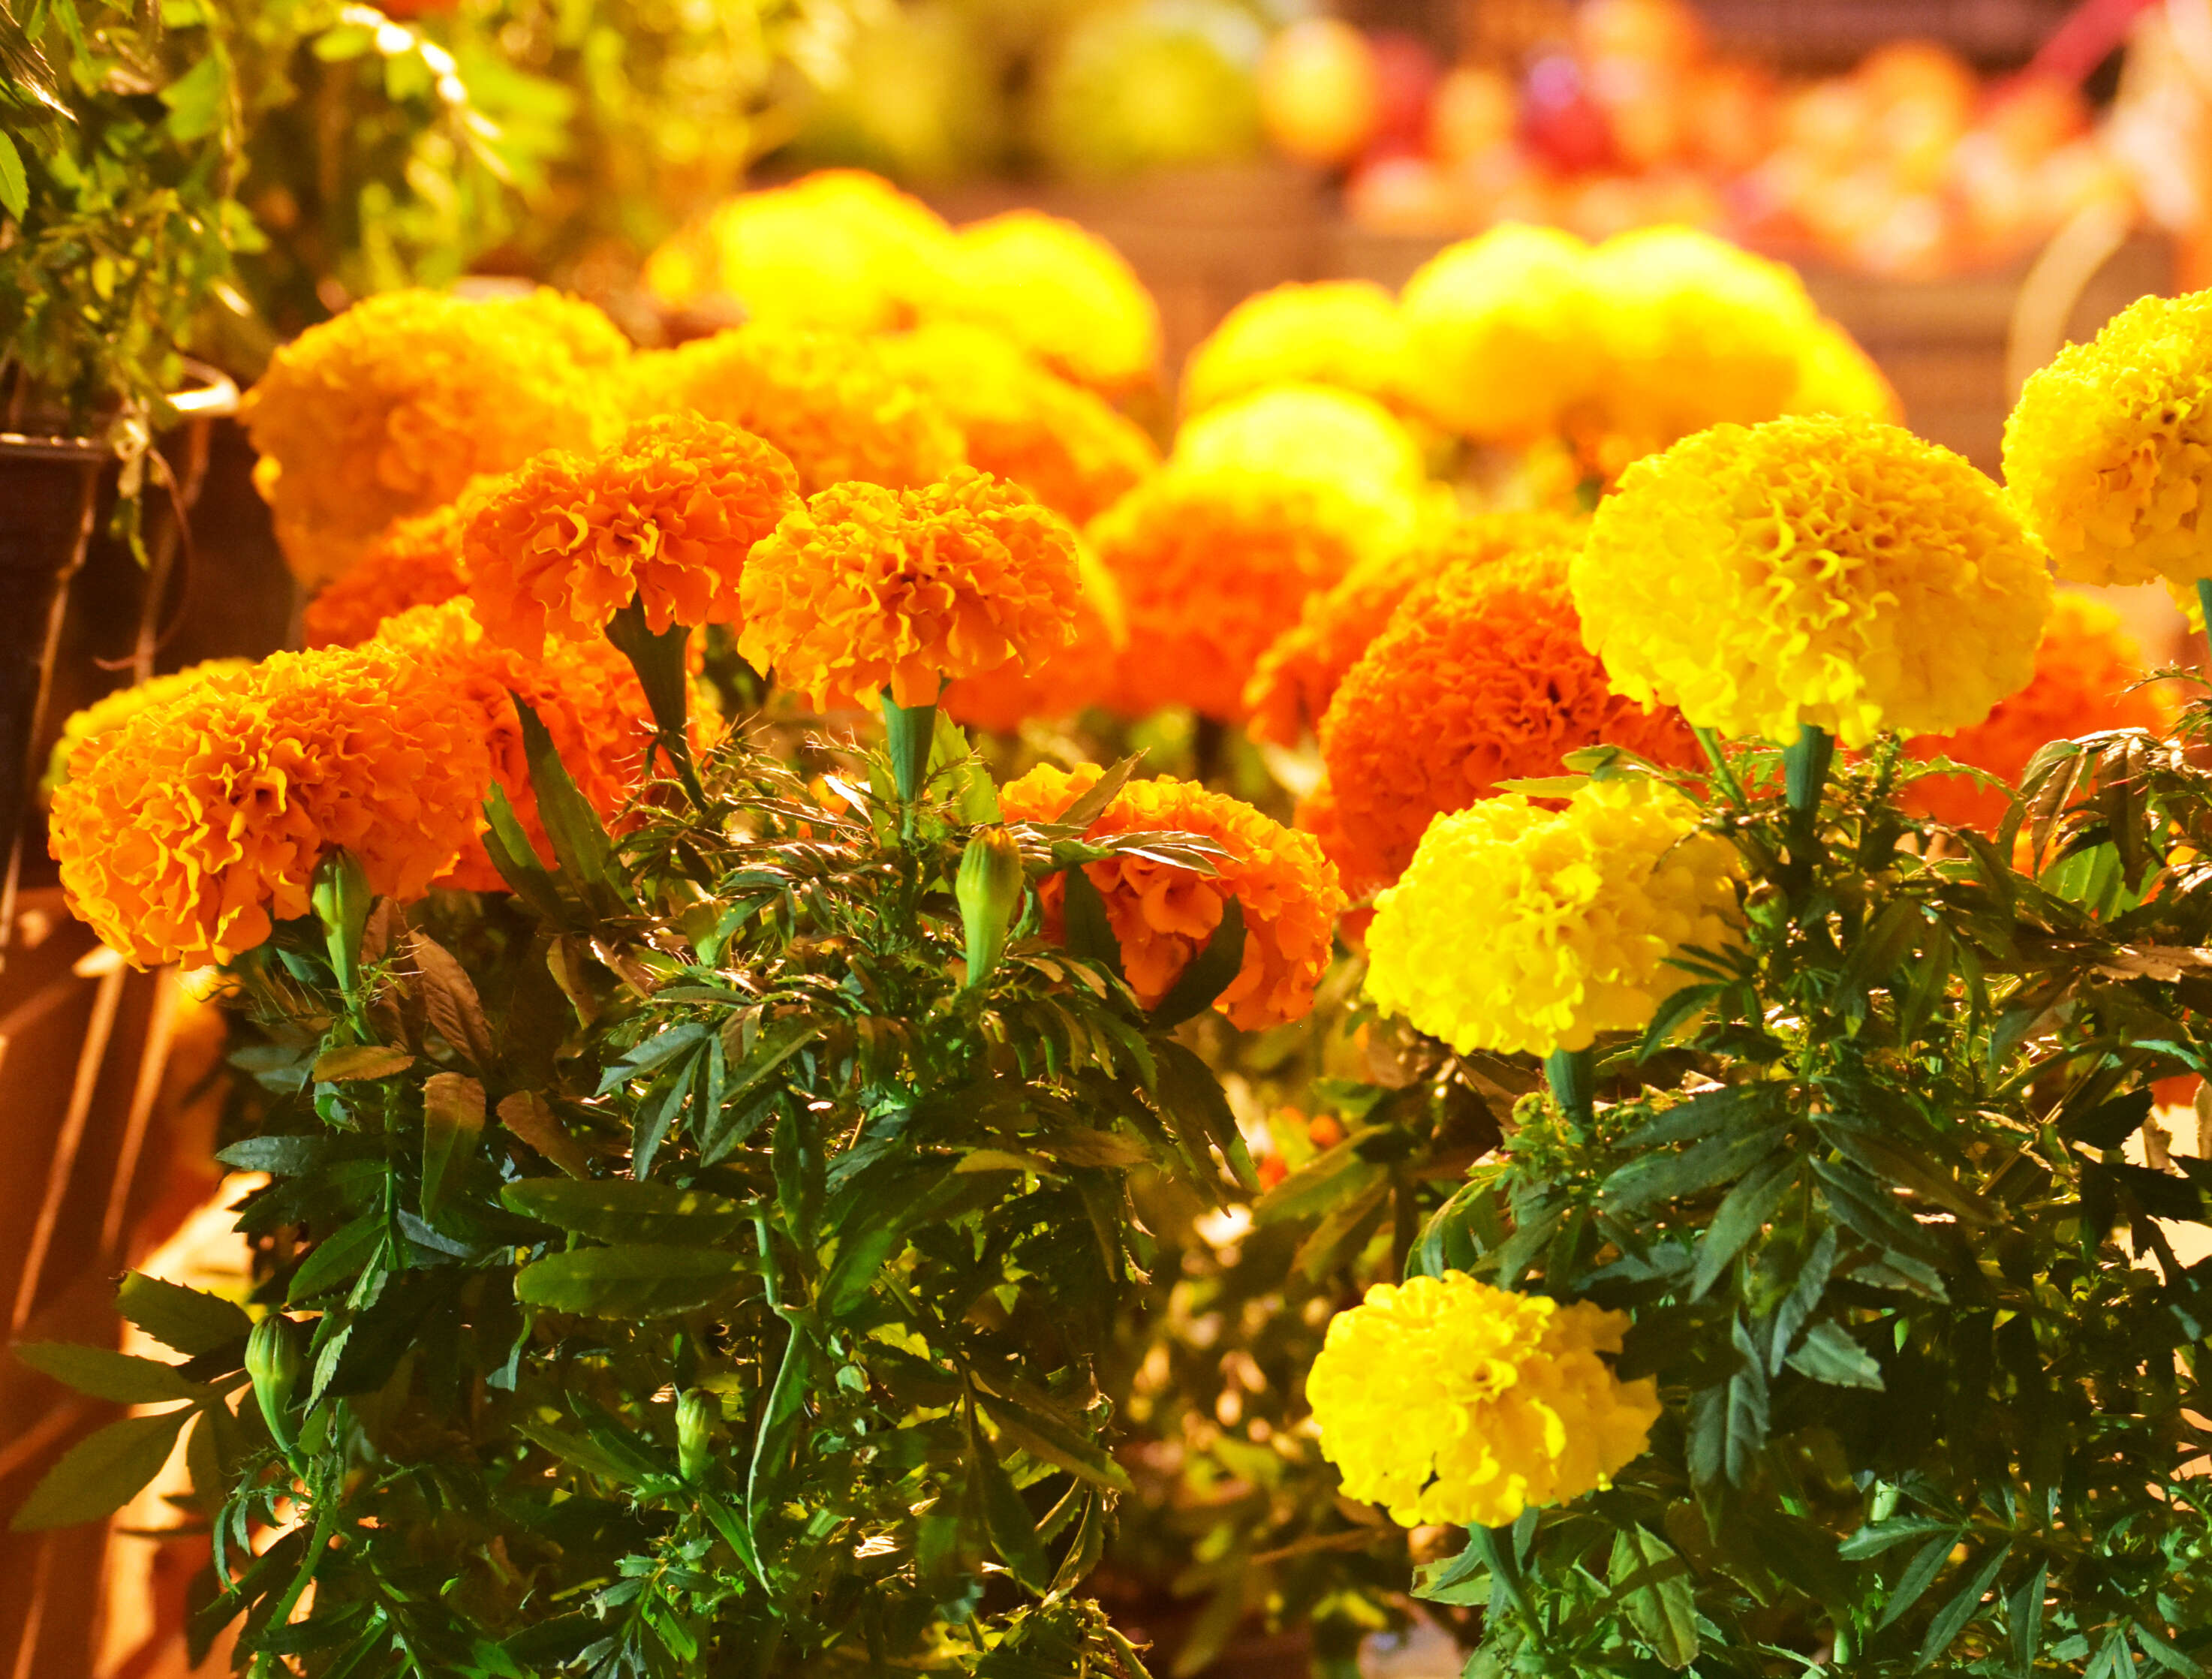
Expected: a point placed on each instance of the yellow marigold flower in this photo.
(1164, 916)
(1297, 675)
(1500, 338)
(2085, 675)
(666, 516)
(1822, 569)
(111, 711)
(1343, 333)
(1079, 675)
(1479, 677)
(415, 562)
(1065, 444)
(839, 248)
(1581, 909)
(1448, 1401)
(866, 588)
(1062, 293)
(393, 406)
(2109, 449)
(828, 401)
(1835, 376)
(183, 834)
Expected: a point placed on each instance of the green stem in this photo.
(2204, 605)
(318, 1541)
(1572, 1075)
(1721, 772)
(657, 656)
(910, 730)
(1805, 774)
(1495, 1546)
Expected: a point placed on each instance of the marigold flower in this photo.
(666, 517)
(1341, 333)
(1296, 677)
(1163, 915)
(1479, 677)
(1836, 376)
(2085, 673)
(1499, 335)
(415, 562)
(391, 408)
(866, 588)
(2108, 451)
(1065, 444)
(183, 833)
(1581, 911)
(1062, 293)
(828, 401)
(1078, 675)
(1369, 469)
(1448, 1401)
(111, 711)
(1825, 569)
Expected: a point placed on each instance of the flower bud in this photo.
(273, 1361)
(695, 1415)
(990, 893)
(341, 899)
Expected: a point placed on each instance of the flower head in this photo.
(182, 835)
(2108, 451)
(1298, 676)
(391, 408)
(665, 516)
(1449, 1400)
(111, 711)
(1342, 333)
(828, 401)
(866, 588)
(1163, 915)
(1836, 376)
(1078, 675)
(1062, 293)
(1822, 569)
(1581, 911)
(1500, 343)
(415, 562)
(1363, 464)
(1067, 446)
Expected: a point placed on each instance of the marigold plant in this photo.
(1448, 1399)
(1062, 293)
(1500, 341)
(111, 711)
(1582, 910)
(1342, 333)
(866, 589)
(415, 562)
(1163, 915)
(1828, 570)
(1078, 675)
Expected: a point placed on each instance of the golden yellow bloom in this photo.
(111, 711)
(1822, 569)
(1062, 293)
(665, 516)
(183, 834)
(415, 562)
(1580, 910)
(1343, 333)
(1448, 1401)
(1079, 675)
(2108, 451)
(841, 249)
(1836, 376)
(866, 588)
(1500, 341)
(1163, 915)
(1067, 446)
(828, 401)
(393, 406)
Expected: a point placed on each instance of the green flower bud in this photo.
(274, 1358)
(990, 893)
(697, 1413)
(341, 899)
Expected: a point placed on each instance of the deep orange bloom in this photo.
(184, 834)
(866, 588)
(1163, 915)
(1297, 675)
(667, 515)
(1481, 677)
(415, 562)
(1078, 675)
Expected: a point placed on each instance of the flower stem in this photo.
(910, 730)
(1721, 772)
(657, 658)
(1805, 773)
(1572, 1075)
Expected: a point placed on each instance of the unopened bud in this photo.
(341, 899)
(273, 1361)
(990, 893)
(695, 1415)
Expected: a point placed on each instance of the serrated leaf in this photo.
(2024, 1610)
(580, 844)
(1804, 1298)
(1092, 805)
(1047, 1437)
(1209, 974)
(1919, 1574)
(638, 1279)
(102, 1472)
(337, 1259)
(532, 1118)
(452, 1120)
(620, 1209)
(193, 1322)
(1829, 1354)
(359, 1062)
(1652, 1582)
(654, 1053)
(1005, 1517)
(449, 998)
(1950, 1619)
(106, 1374)
(1740, 1217)
(279, 1156)
(1872, 1540)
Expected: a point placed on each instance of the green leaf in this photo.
(1090, 805)
(14, 183)
(532, 1118)
(515, 858)
(2110, 1124)
(2024, 1620)
(337, 1259)
(194, 1322)
(1656, 1177)
(196, 99)
(1005, 1517)
(452, 1120)
(102, 1472)
(1740, 1217)
(871, 1229)
(1864, 1208)
(1336, 1174)
(2167, 1654)
(1729, 1420)
(361, 1061)
(1674, 1012)
(279, 1156)
(655, 1052)
(450, 999)
(1045, 1436)
(1089, 934)
(1829, 1354)
(1950, 1619)
(1652, 1582)
(1874, 1540)
(1209, 974)
(618, 1209)
(1919, 1574)
(632, 1280)
(580, 844)
(106, 1374)
(1804, 1298)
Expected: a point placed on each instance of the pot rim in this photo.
(213, 395)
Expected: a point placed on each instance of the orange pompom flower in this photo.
(416, 562)
(865, 589)
(1481, 677)
(1163, 915)
(1079, 675)
(1298, 676)
(2085, 669)
(185, 834)
(665, 517)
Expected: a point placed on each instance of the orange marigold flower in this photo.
(867, 588)
(1078, 675)
(1163, 915)
(416, 562)
(185, 833)
(1481, 677)
(1298, 676)
(2084, 668)
(1061, 292)
(828, 401)
(1067, 446)
(666, 517)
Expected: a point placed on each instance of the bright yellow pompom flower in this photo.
(1346, 333)
(2108, 452)
(1448, 1401)
(1061, 292)
(1498, 333)
(1823, 569)
(1581, 911)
